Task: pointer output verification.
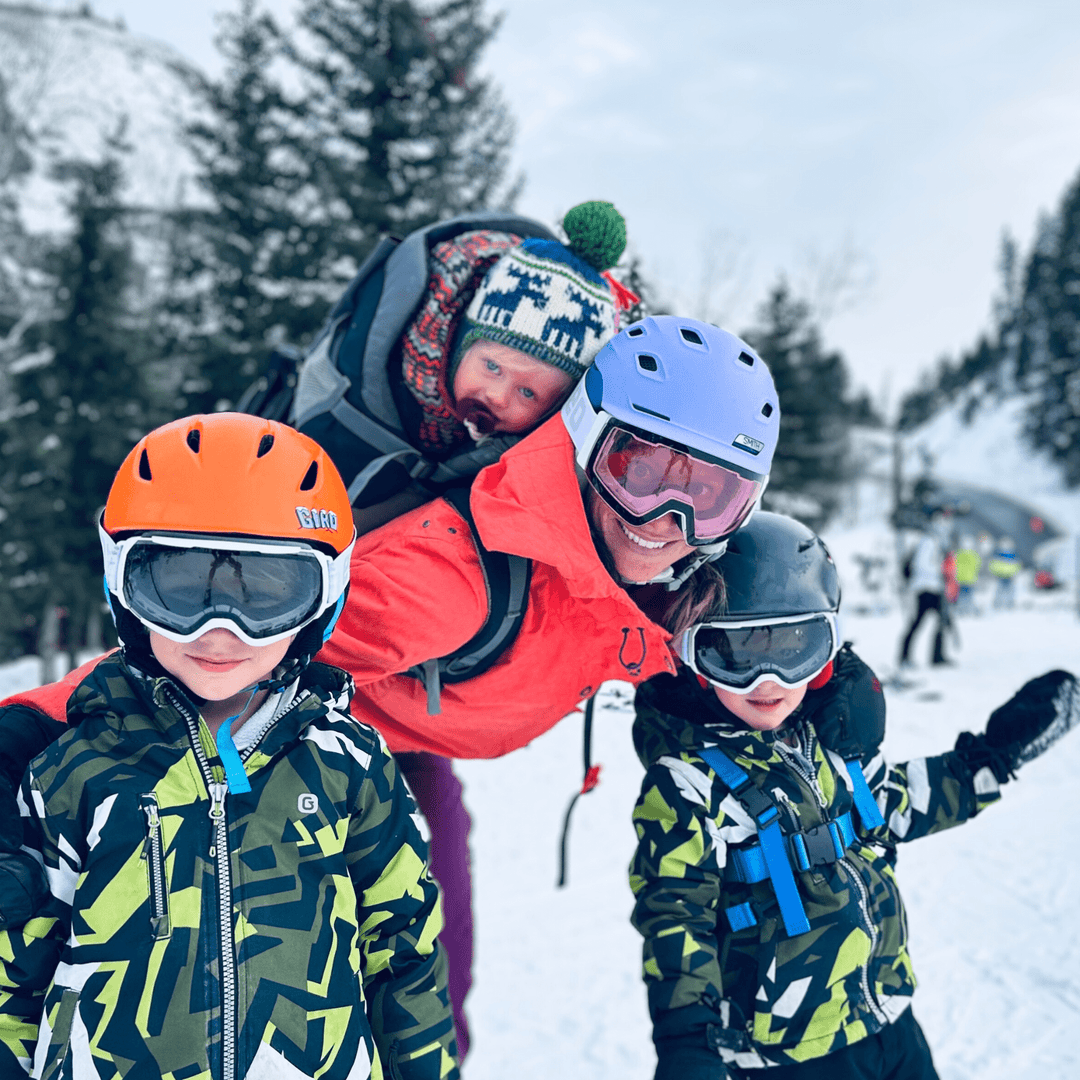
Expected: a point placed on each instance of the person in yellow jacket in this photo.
(968, 565)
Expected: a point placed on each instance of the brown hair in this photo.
(702, 594)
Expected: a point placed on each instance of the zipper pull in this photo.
(153, 823)
(217, 801)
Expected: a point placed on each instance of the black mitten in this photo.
(23, 888)
(24, 733)
(848, 712)
(1035, 717)
(677, 1061)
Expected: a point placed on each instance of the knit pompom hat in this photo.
(549, 299)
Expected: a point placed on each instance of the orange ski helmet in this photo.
(227, 520)
(235, 474)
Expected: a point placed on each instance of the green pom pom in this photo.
(596, 232)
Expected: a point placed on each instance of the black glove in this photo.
(677, 1061)
(848, 712)
(1034, 718)
(23, 888)
(24, 733)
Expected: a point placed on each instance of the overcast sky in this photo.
(776, 136)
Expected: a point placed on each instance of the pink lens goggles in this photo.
(648, 479)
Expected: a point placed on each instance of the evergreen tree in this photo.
(80, 400)
(812, 459)
(15, 246)
(395, 123)
(247, 267)
(1049, 330)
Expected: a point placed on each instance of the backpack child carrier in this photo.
(344, 397)
(340, 394)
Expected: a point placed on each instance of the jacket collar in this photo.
(530, 503)
(114, 688)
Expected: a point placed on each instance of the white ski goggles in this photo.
(182, 586)
(739, 656)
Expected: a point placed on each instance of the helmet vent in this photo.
(144, 466)
(746, 358)
(646, 362)
(691, 335)
(264, 446)
(193, 439)
(310, 477)
(650, 412)
(635, 331)
(766, 410)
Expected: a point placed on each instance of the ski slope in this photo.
(992, 904)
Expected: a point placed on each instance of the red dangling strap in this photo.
(625, 298)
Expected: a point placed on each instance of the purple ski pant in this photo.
(438, 794)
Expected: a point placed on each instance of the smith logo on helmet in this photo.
(751, 446)
(316, 519)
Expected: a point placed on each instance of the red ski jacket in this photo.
(417, 592)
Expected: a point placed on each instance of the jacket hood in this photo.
(529, 503)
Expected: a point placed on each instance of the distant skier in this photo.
(928, 585)
(1005, 566)
(968, 564)
(764, 876)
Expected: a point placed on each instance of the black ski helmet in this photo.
(775, 565)
(779, 620)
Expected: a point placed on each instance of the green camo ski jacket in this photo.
(199, 934)
(757, 996)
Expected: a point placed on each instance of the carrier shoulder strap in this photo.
(506, 580)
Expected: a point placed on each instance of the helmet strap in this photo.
(821, 678)
(689, 563)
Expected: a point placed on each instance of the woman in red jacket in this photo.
(661, 452)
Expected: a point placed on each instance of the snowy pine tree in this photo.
(1048, 361)
(249, 266)
(79, 400)
(395, 123)
(15, 245)
(813, 455)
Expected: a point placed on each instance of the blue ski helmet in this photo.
(679, 387)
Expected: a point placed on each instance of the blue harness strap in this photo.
(770, 837)
(740, 916)
(783, 880)
(869, 813)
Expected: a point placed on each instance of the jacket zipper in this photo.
(810, 777)
(219, 851)
(154, 853)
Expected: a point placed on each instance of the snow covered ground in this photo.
(992, 904)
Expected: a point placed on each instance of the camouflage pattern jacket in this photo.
(194, 932)
(758, 997)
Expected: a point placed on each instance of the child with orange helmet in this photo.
(233, 861)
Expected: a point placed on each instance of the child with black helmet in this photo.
(775, 935)
(237, 877)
